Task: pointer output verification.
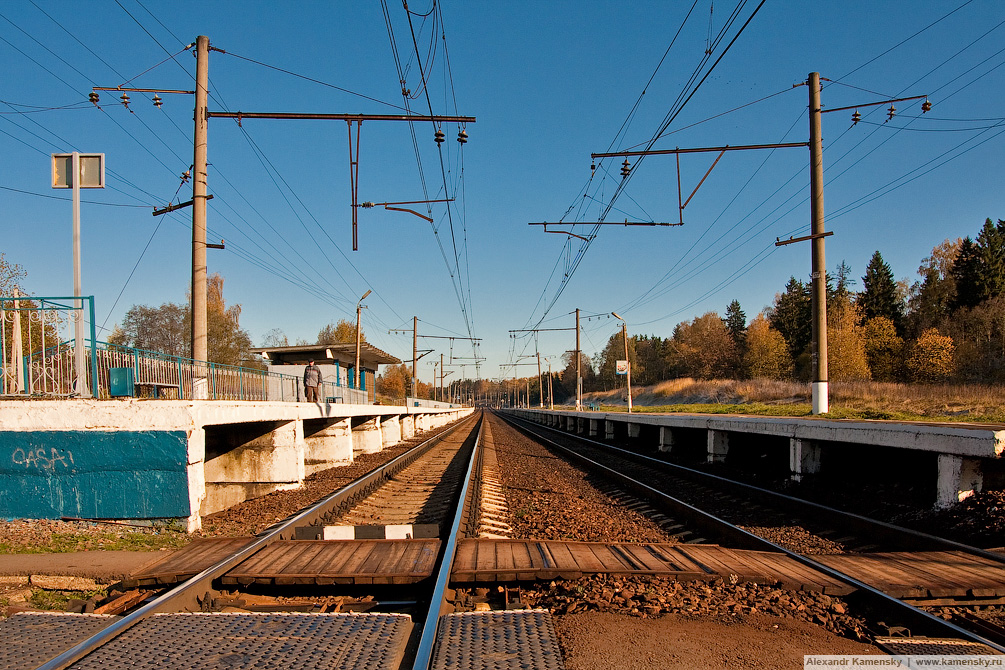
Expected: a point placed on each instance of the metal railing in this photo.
(120, 371)
(32, 325)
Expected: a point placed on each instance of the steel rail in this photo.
(427, 640)
(907, 537)
(914, 616)
(191, 594)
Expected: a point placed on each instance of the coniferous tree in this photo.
(792, 316)
(736, 322)
(966, 273)
(991, 251)
(879, 293)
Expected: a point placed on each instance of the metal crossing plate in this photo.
(238, 640)
(932, 646)
(216, 640)
(497, 640)
(29, 639)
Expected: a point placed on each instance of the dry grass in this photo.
(877, 400)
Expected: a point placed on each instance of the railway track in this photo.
(419, 491)
(440, 510)
(698, 507)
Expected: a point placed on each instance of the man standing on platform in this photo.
(312, 380)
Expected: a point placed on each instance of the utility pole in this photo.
(200, 342)
(359, 310)
(818, 266)
(579, 372)
(817, 233)
(441, 377)
(540, 381)
(415, 356)
(628, 361)
(551, 392)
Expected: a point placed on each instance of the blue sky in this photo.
(549, 83)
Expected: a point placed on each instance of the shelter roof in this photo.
(369, 355)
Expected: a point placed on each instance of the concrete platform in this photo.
(180, 459)
(963, 450)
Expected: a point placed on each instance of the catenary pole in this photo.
(818, 267)
(540, 381)
(415, 356)
(579, 372)
(200, 343)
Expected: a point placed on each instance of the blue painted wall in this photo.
(93, 474)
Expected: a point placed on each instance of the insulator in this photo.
(462, 137)
(593, 167)
(890, 112)
(439, 137)
(125, 99)
(855, 118)
(625, 168)
(185, 176)
(92, 97)
(157, 101)
(366, 205)
(926, 106)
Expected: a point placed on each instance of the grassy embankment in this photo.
(848, 400)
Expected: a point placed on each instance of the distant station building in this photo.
(336, 362)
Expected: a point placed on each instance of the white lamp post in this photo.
(77, 171)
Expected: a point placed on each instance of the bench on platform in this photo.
(155, 387)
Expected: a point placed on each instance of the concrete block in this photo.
(804, 458)
(327, 447)
(594, 427)
(634, 430)
(258, 452)
(718, 446)
(390, 431)
(608, 430)
(959, 478)
(407, 426)
(366, 436)
(666, 439)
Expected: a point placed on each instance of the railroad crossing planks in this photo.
(187, 562)
(338, 562)
(923, 574)
(484, 560)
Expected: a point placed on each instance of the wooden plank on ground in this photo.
(188, 561)
(565, 562)
(870, 572)
(586, 559)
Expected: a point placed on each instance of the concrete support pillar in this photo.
(608, 430)
(594, 426)
(570, 424)
(959, 478)
(390, 430)
(634, 429)
(407, 426)
(196, 471)
(327, 447)
(580, 425)
(366, 435)
(804, 458)
(666, 439)
(718, 446)
(252, 460)
(421, 423)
